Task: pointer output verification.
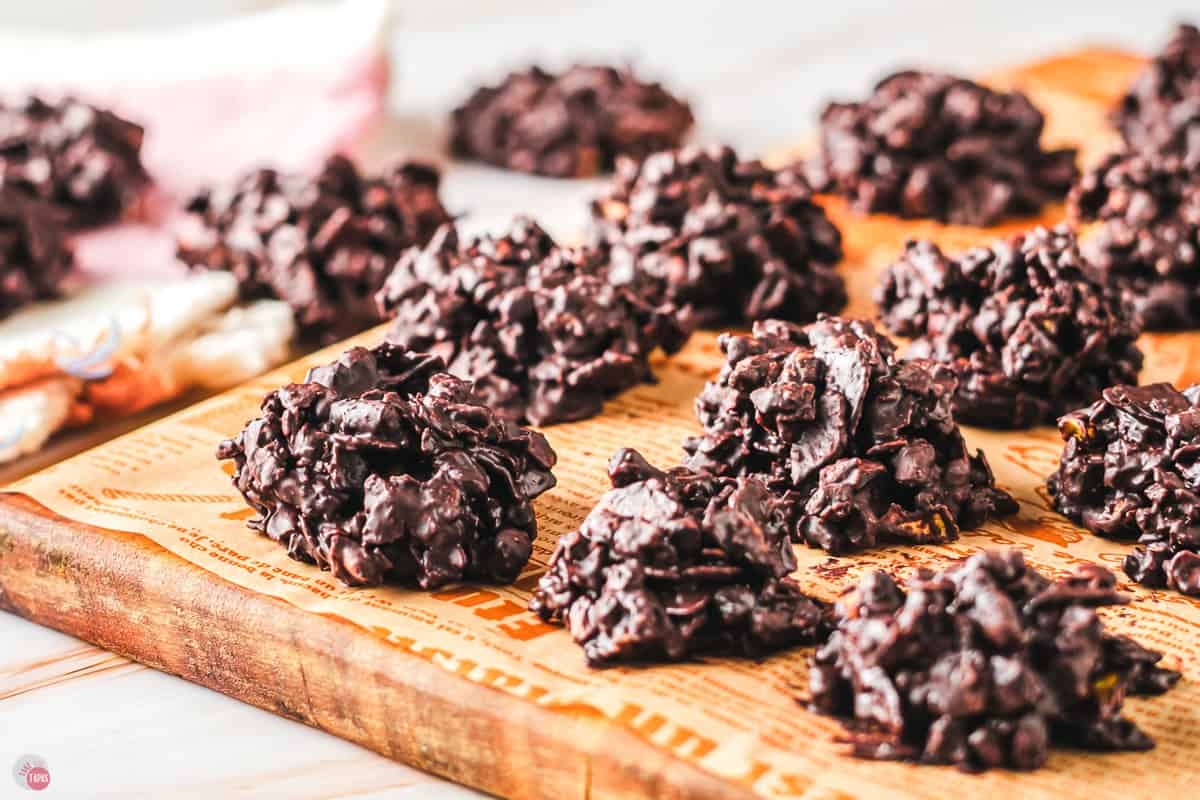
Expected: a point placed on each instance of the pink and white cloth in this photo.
(285, 88)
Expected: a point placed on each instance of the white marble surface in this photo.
(757, 72)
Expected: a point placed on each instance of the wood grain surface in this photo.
(127, 594)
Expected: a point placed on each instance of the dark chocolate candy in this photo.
(937, 146)
(1147, 237)
(539, 329)
(83, 160)
(1028, 334)
(1131, 469)
(672, 564)
(569, 125)
(985, 664)
(323, 244)
(734, 239)
(35, 261)
(381, 467)
(864, 448)
(1161, 112)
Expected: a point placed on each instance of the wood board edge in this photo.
(110, 588)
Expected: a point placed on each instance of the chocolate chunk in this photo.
(569, 125)
(324, 245)
(982, 665)
(83, 160)
(539, 329)
(937, 146)
(1161, 112)
(1026, 332)
(35, 261)
(1147, 240)
(381, 467)
(864, 448)
(1131, 469)
(672, 564)
(734, 239)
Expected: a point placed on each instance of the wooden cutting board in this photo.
(140, 546)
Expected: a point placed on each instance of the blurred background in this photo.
(756, 72)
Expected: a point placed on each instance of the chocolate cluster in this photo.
(323, 244)
(675, 563)
(1028, 334)
(82, 160)
(1146, 240)
(941, 147)
(572, 124)
(863, 448)
(734, 239)
(985, 664)
(381, 467)
(1161, 112)
(35, 261)
(1130, 469)
(539, 329)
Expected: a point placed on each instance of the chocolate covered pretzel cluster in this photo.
(985, 664)
(863, 446)
(675, 563)
(735, 240)
(1130, 469)
(539, 329)
(35, 260)
(324, 244)
(1161, 111)
(83, 161)
(925, 144)
(1146, 236)
(1026, 331)
(572, 124)
(382, 468)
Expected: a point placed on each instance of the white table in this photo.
(757, 72)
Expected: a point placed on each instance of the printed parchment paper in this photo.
(737, 719)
